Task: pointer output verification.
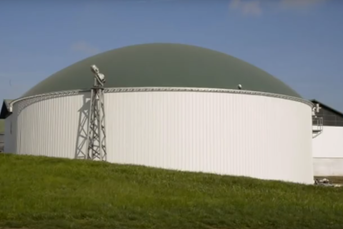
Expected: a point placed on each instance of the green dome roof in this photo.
(164, 65)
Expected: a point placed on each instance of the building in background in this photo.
(328, 144)
(2, 134)
(171, 106)
(4, 114)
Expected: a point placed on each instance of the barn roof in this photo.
(4, 112)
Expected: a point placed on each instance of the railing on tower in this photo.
(317, 122)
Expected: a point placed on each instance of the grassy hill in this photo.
(40, 192)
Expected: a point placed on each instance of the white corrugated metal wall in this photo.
(221, 133)
(49, 127)
(328, 152)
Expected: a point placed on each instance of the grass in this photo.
(40, 192)
(2, 126)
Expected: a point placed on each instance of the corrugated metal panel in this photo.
(49, 127)
(212, 132)
(223, 133)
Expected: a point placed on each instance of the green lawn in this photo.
(40, 192)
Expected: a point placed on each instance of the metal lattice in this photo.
(96, 138)
(317, 122)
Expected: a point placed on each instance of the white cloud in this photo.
(246, 7)
(84, 47)
(299, 4)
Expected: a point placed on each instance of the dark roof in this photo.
(164, 65)
(327, 107)
(4, 113)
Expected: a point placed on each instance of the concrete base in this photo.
(326, 167)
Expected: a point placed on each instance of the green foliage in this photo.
(41, 192)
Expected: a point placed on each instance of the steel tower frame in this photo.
(96, 131)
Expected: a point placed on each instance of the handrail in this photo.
(319, 124)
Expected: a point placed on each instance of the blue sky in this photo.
(298, 41)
